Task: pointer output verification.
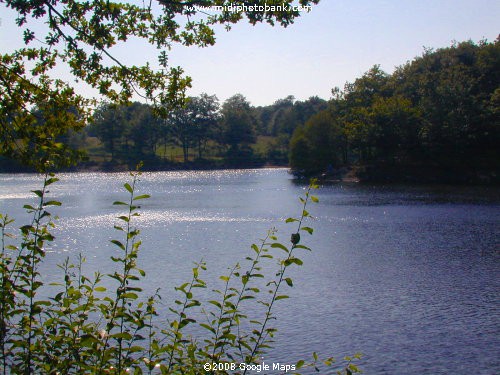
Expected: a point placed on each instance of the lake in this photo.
(409, 276)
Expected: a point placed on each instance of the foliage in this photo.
(194, 124)
(82, 36)
(238, 129)
(318, 145)
(235, 135)
(280, 119)
(83, 328)
(439, 110)
(128, 132)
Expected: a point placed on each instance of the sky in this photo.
(335, 43)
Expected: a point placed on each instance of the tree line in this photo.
(434, 118)
(203, 132)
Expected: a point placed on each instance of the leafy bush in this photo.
(83, 328)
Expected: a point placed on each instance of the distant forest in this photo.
(435, 118)
(202, 134)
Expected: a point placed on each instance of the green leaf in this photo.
(281, 297)
(297, 261)
(52, 203)
(144, 196)
(314, 199)
(206, 326)
(118, 243)
(289, 261)
(127, 187)
(129, 296)
(290, 220)
(121, 335)
(247, 297)
(302, 247)
(307, 229)
(51, 181)
(215, 303)
(280, 246)
(87, 341)
(37, 192)
(353, 367)
(289, 281)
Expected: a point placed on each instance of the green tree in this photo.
(452, 88)
(129, 132)
(284, 115)
(440, 110)
(179, 122)
(363, 91)
(205, 113)
(238, 129)
(143, 129)
(194, 123)
(395, 129)
(304, 110)
(318, 146)
(108, 124)
(280, 120)
(301, 153)
(82, 35)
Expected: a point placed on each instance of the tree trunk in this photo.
(185, 150)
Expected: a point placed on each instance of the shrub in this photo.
(83, 328)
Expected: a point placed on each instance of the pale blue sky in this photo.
(337, 42)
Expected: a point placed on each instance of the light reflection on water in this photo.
(151, 219)
(407, 275)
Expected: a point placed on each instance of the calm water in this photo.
(407, 275)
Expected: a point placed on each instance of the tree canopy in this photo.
(439, 111)
(82, 35)
(200, 134)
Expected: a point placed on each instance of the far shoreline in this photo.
(354, 174)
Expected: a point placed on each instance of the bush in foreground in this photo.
(85, 328)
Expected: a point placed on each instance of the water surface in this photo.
(407, 275)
